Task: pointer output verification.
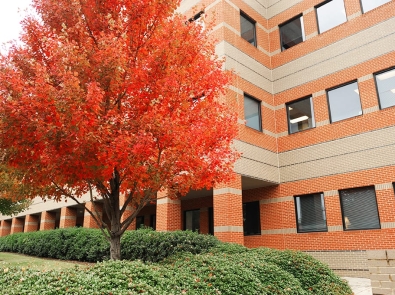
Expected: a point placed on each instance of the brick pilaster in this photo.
(17, 225)
(168, 214)
(31, 223)
(68, 217)
(228, 211)
(5, 228)
(47, 220)
(89, 222)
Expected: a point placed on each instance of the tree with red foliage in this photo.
(114, 98)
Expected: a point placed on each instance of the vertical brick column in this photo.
(31, 223)
(204, 224)
(228, 211)
(382, 271)
(310, 23)
(5, 228)
(89, 222)
(386, 204)
(274, 39)
(47, 220)
(17, 225)
(68, 217)
(168, 213)
(353, 9)
(333, 211)
(368, 94)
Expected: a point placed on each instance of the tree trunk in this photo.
(115, 247)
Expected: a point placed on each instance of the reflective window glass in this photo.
(330, 15)
(386, 88)
(292, 33)
(300, 115)
(310, 213)
(372, 4)
(192, 220)
(247, 29)
(344, 102)
(252, 113)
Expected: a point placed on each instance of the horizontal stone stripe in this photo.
(365, 78)
(371, 110)
(31, 223)
(319, 93)
(331, 193)
(333, 228)
(355, 15)
(383, 186)
(17, 225)
(322, 123)
(257, 153)
(279, 231)
(312, 35)
(256, 169)
(276, 7)
(227, 190)
(68, 217)
(5, 227)
(388, 225)
(276, 200)
(163, 201)
(363, 46)
(228, 229)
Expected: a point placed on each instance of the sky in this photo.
(10, 18)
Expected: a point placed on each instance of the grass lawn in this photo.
(29, 262)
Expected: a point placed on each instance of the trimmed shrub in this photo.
(149, 245)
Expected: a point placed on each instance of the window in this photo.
(252, 112)
(139, 222)
(152, 222)
(344, 102)
(247, 29)
(300, 115)
(251, 218)
(292, 33)
(310, 213)
(330, 14)
(368, 5)
(386, 88)
(359, 208)
(192, 220)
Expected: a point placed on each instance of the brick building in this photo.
(315, 94)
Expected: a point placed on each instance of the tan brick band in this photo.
(276, 200)
(228, 229)
(279, 231)
(167, 201)
(227, 190)
(383, 186)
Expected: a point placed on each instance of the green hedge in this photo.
(227, 274)
(89, 245)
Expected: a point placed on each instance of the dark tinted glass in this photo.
(292, 33)
(300, 115)
(251, 218)
(344, 102)
(247, 29)
(139, 221)
(386, 88)
(192, 220)
(372, 4)
(252, 113)
(310, 213)
(330, 15)
(359, 208)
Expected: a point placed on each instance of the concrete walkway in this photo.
(360, 286)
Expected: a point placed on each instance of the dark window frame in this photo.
(185, 219)
(285, 23)
(363, 11)
(342, 208)
(312, 113)
(296, 214)
(253, 22)
(317, 20)
(259, 111)
(377, 88)
(142, 217)
(259, 219)
(329, 105)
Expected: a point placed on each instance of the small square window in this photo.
(300, 115)
(368, 5)
(344, 102)
(251, 218)
(359, 208)
(330, 14)
(386, 88)
(139, 222)
(292, 33)
(310, 213)
(192, 220)
(247, 29)
(252, 112)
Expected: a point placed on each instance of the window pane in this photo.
(292, 33)
(330, 15)
(251, 219)
(247, 29)
(310, 213)
(359, 208)
(372, 4)
(300, 115)
(386, 88)
(344, 102)
(139, 221)
(192, 220)
(252, 113)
